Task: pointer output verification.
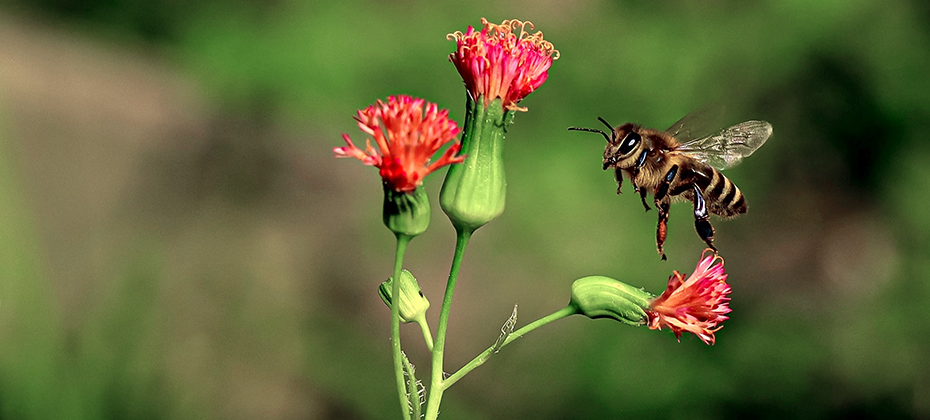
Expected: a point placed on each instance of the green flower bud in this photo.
(604, 297)
(406, 213)
(413, 304)
(474, 190)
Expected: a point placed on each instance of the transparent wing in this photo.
(698, 124)
(727, 148)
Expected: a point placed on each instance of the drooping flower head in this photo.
(697, 305)
(408, 131)
(502, 61)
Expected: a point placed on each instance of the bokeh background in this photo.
(176, 241)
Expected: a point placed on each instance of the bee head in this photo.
(623, 144)
(623, 147)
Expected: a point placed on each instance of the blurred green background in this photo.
(177, 242)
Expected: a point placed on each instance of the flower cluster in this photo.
(697, 305)
(502, 61)
(408, 131)
(500, 65)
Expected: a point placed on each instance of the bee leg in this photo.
(662, 189)
(662, 227)
(642, 195)
(701, 219)
(662, 201)
(618, 175)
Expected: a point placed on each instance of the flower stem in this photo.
(485, 355)
(435, 394)
(427, 336)
(402, 241)
(413, 390)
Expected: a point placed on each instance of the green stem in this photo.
(484, 356)
(427, 336)
(435, 393)
(412, 389)
(402, 241)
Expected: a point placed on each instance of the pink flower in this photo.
(698, 305)
(408, 131)
(499, 63)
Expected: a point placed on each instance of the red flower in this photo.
(499, 63)
(407, 134)
(697, 305)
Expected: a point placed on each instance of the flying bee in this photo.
(682, 164)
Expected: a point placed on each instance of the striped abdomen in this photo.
(723, 196)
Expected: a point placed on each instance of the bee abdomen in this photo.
(723, 196)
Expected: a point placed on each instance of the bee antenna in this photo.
(591, 130)
(609, 127)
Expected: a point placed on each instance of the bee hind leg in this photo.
(662, 204)
(662, 226)
(702, 219)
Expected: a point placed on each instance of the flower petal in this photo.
(408, 132)
(697, 305)
(501, 62)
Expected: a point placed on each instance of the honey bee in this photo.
(681, 163)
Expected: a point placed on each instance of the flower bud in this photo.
(413, 304)
(474, 190)
(406, 213)
(604, 297)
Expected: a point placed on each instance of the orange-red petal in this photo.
(697, 305)
(408, 132)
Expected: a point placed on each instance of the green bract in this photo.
(406, 213)
(604, 297)
(473, 192)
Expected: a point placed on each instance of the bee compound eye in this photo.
(629, 143)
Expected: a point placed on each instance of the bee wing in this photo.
(698, 124)
(727, 148)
